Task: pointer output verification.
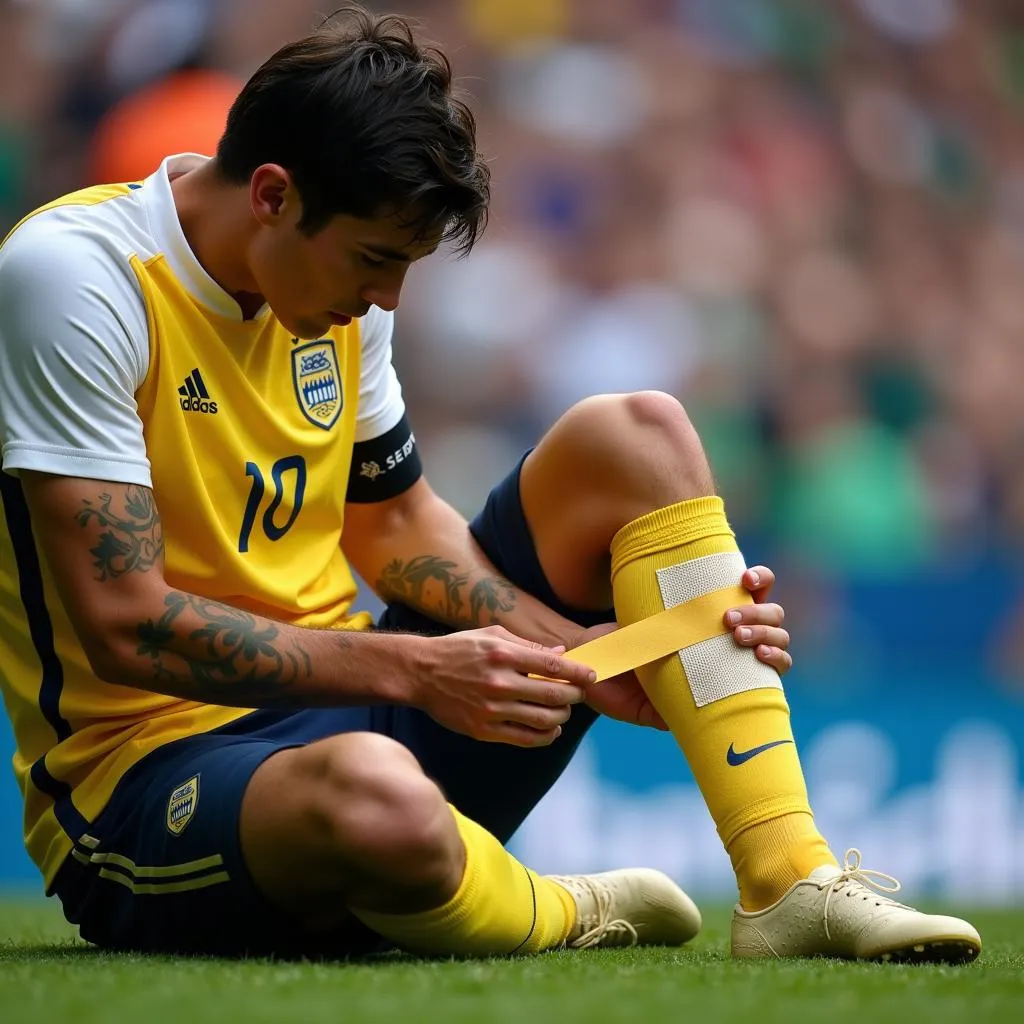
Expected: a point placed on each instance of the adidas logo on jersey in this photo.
(193, 395)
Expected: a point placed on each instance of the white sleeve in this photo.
(380, 395)
(74, 349)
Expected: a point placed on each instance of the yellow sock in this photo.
(500, 907)
(726, 709)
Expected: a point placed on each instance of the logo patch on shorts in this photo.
(182, 805)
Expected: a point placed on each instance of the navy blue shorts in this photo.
(141, 879)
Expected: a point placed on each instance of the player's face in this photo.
(315, 282)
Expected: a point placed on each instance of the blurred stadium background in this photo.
(804, 219)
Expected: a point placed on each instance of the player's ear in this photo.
(272, 193)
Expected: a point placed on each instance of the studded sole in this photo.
(937, 951)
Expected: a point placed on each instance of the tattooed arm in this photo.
(104, 544)
(418, 550)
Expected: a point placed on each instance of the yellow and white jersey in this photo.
(121, 359)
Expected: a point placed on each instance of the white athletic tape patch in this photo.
(687, 580)
(716, 668)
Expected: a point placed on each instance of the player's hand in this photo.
(620, 697)
(623, 698)
(479, 682)
(759, 625)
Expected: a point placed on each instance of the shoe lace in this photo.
(599, 923)
(854, 878)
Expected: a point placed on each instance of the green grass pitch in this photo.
(47, 975)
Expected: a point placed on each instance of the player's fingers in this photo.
(780, 660)
(547, 664)
(549, 692)
(523, 736)
(533, 716)
(759, 580)
(770, 636)
(768, 614)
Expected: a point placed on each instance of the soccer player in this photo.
(202, 431)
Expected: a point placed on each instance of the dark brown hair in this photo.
(364, 119)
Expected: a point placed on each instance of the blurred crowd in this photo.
(804, 219)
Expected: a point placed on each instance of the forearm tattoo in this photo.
(231, 653)
(432, 585)
(132, 539)
(228, 654)
(491, 595)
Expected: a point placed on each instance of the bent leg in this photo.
(255, 840)
(625, 477)
(620, 502)
(348, 820)
(351, 823)
(162, 870)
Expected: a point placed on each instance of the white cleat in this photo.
(846, 912)
(629, 907)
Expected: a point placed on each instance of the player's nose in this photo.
(383, 298)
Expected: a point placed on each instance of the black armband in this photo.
(385, 466)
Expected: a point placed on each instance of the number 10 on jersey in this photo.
(290, 464)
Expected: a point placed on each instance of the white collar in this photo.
(165, 226)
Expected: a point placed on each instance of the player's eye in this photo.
(371, 261)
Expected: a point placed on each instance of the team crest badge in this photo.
(318, 382)
(182, 805)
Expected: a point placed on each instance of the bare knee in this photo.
(380, 815)
(608, 461)
(657, 411)
(654, 416)
(641, 446)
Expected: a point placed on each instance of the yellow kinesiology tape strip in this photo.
(662, 634)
